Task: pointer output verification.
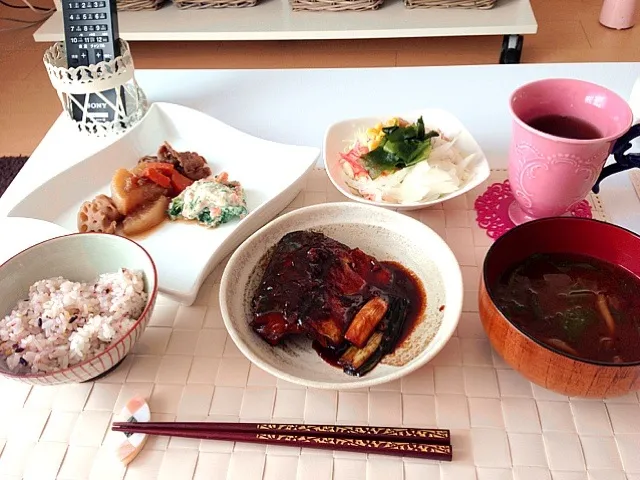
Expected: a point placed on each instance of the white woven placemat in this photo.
(185, 364)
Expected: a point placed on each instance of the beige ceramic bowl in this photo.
(385, 234)
(78, 257)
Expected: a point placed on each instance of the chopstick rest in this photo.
(130, 444)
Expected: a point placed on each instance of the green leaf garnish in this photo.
(401, 147)
(175, 208)
(575, 320)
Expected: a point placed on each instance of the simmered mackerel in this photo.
(354, 308)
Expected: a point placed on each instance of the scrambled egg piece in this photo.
(375, 134)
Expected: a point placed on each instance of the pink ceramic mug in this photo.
(563, 132)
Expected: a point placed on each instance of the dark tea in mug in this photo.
(565, 127)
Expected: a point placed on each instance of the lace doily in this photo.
(492, 209)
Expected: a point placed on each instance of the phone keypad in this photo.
(101, 39)
(89, 39)
(85, 5)
(88, 28)
(87, 16)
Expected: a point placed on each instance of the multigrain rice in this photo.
(63, 322)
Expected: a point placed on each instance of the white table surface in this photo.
(296, 106)
(503, 427)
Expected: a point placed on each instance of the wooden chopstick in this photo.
(414, 435)
(359, 445)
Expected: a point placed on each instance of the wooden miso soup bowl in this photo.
(544, 365)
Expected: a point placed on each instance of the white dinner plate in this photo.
(341, 135)
(185, 253)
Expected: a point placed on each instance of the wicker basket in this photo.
(138, 5)
(201, 4)
(477, 4)
(335, 5)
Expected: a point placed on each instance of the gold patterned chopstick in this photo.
(358, 445)
(415, 435)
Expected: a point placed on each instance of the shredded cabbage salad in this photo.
(400, 162)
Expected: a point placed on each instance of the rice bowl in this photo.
(64, 322)
(73, 306)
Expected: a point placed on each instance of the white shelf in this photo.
(274, 20)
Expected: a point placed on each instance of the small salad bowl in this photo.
(461, 155)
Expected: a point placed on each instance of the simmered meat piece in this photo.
(189, 164)
(194, 166)
(314, 285)
(166, 153)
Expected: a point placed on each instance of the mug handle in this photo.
(622, 162)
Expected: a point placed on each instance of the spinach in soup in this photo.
(579, 304)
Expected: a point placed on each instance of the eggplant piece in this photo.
(366, 321)
(391, 329)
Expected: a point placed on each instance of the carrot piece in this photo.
(157, 177)
(179, 182)
(161, 166)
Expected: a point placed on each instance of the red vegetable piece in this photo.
(161, 166)
(157, 177)
(179, 182)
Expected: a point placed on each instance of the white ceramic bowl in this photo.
(385, 234)
(78, 257)
(340, 135)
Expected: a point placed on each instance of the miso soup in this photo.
(578, 304)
